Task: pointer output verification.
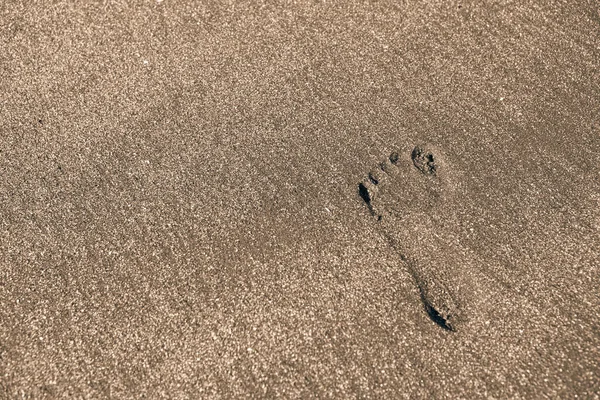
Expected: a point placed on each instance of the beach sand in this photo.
(300, 200)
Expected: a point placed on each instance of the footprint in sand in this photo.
(410, 195)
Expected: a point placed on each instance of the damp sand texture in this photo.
(310, 200)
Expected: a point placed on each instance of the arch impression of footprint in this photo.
(410, 194)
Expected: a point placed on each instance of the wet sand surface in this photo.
(180, 213)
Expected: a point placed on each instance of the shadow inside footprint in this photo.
(437, 300)
(423, 160)
(436, 316)
(364, 194)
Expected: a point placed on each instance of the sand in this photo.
(180, 214)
